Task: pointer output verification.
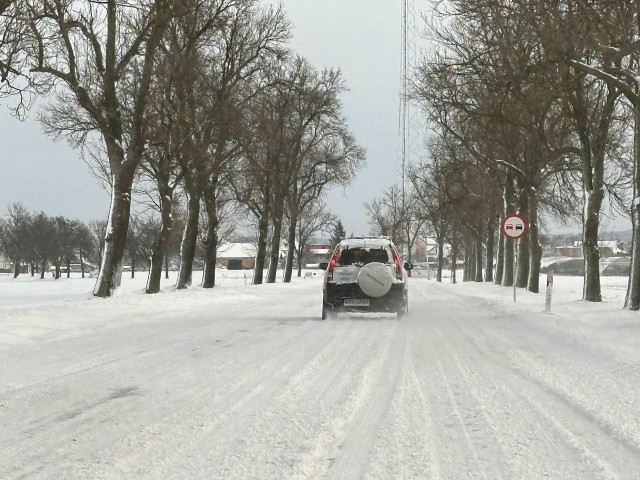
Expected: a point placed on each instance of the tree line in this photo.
(198, 104)
(37, 243)
(533, 108)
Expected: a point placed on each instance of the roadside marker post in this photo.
(514, 227)
(547, 304)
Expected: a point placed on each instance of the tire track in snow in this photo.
(596, 448)
(575, 444)
(61, 404)
(464, 440)
(370, 410)
(233, 393)
(72, 414)
(284, 438)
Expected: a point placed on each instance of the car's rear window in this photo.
(362, 256)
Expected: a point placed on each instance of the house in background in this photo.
(237, 256)
(608, 248)
(6, 266)
(316, 253)
(424, 249)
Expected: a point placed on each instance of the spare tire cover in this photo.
(375, 279)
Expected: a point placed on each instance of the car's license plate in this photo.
(356, 302)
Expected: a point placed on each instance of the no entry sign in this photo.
(514, 226)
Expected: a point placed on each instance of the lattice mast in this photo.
(409, 113)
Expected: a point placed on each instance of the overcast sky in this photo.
(360, 37)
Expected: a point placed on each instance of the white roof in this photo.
(365, 242)
(319, 251)
(237, 250)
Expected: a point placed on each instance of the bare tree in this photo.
(313, 219)
(100, 56)
(14, 236)
(329, 156)
(14, 80)
(387, 215)
(490, 89)
(253, 39)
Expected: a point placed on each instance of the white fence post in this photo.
(547, 305)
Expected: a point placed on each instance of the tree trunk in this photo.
(632, 299)
(508, 244)
(535, 256)
(409, 247)
(291, 247)
(166, 265)
(116, 233)
(440, 258)
(274, 253)
(454, 261)
(522, 267)
(209, 276)
(261, 254)
(491, 224)
(16, 268)
(133, 266)
(299, 253)
(469, 262)
(464, 264)
(158, 255)
(33, 268)
(82, 263)
(57, 272)
(189, 237)
(478, 259)
(500, 259)
(160, 244)
(68, 262)
(522, 273)
(593, 203)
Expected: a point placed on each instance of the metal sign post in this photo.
(515, 266)
(514, 227)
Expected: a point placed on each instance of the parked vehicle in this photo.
(365, 274)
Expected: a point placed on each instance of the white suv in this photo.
(365, 274)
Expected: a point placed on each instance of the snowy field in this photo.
(246, 382)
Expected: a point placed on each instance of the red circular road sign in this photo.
(514, 226)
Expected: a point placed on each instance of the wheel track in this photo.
(552, 406)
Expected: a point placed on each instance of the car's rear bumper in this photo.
(335, 294)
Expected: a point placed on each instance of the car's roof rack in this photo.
(382, 237)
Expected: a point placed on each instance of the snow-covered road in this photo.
(249, 383)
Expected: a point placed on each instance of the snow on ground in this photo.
(246, 382)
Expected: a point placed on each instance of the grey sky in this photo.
(363, 39)
(360, 37)
(45, 175)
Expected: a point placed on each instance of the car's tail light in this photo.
(396, 261)
(332, 265)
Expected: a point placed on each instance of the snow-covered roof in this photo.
(365, 242)
(319, 251)
(237, 250)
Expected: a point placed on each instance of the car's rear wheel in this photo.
(327, 310)
(404, 309)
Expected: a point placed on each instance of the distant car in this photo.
(365, 274)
